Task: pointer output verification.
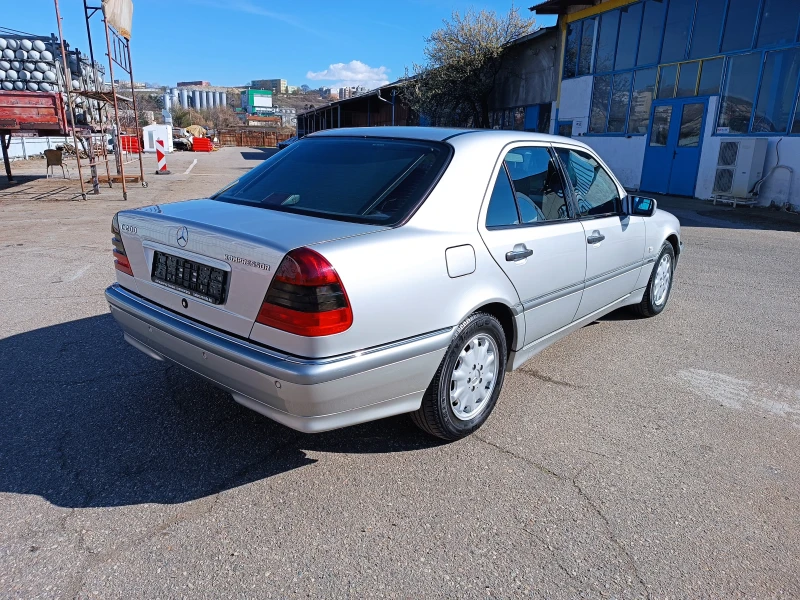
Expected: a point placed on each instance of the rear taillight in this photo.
(121, 262)
(306, 297)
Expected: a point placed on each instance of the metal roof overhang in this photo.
(559, 7)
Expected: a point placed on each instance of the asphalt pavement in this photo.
(638, 458)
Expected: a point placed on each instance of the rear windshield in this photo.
(369, 180)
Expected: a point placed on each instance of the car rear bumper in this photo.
(305, 394)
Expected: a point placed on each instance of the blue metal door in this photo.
(672, 156)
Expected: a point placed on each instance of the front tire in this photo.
(467, 383)
(659, 287)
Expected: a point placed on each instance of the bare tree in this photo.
(463, 61)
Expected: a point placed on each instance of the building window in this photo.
(565, 128)
(661, 118)
(607, 42)
(599, 111)
(710, 77)
(620, 98)
(736, 103)
(777, 94)
(778, 22)
(543, 123)
(707, 25)
(666, 82)
(587, 47)
(628, 41)
(644, 84)
(652, 26)
(739, 25)
(687, 79)
(676, 32)
(572, 50)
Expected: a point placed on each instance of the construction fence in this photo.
(251, 137)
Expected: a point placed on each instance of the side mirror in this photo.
(642, 206)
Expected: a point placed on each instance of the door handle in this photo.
(518, 253)
(595, 238)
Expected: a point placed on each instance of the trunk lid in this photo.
(242, 244)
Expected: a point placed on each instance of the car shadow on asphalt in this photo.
(88, 421)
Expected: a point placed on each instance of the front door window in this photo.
(661, 120)
(691, 125)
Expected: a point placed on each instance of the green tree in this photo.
(463, 60)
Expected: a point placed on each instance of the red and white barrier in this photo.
(161, 156)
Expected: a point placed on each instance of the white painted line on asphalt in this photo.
(79, 273)
(191, 166)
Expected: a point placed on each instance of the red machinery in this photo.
(37, 113)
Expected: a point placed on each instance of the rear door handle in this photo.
(518, 253)
(595, 238)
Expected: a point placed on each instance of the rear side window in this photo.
(363, 180)
(595, 190)
(502, 207)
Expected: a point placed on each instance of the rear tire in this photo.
(467, 383)
(659, 286)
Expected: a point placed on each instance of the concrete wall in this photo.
(623, 155)
(781, 187)
(33, 146)
(529, 73)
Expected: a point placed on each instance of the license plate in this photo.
(190, 277)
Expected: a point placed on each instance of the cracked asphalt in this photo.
(655, 458)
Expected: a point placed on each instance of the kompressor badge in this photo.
(248, 262)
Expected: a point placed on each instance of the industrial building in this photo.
(686, 97)
(277, 86)
(379, 107)
(255, 102)
(198, 97)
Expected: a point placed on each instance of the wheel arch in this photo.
(672, 238)
(508, 321)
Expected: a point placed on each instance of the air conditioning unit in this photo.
(740, 165)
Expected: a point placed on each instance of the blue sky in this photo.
(230, 42)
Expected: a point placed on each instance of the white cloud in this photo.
(353, 73)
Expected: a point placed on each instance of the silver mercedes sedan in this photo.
(363, 273)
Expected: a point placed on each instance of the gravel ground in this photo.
(654, 458)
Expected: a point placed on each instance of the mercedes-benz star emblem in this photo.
(183, 237)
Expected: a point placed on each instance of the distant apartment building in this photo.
(351, 92)
(193, 84)
(278, 86)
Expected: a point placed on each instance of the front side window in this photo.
(594, 188)
(537, 185)
(368, 180)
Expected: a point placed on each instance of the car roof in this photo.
(441, 134)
